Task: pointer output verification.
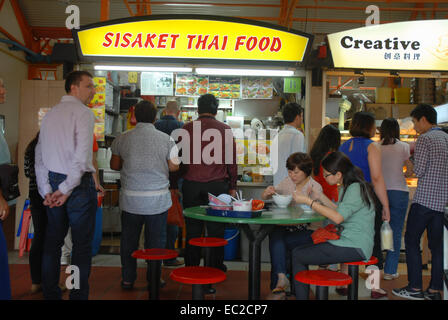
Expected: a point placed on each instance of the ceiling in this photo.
(318, 17)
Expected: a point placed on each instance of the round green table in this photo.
(267, 221)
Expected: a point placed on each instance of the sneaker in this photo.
(388, 276)
(408, 293)
(432, 295)
(174, 263)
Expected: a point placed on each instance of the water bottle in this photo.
(387, 241)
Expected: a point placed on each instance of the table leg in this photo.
(255, 257)
(353, 271)
(154, 284)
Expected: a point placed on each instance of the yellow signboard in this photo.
(412, 45)
(193, 39)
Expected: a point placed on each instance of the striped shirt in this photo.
(431, 168)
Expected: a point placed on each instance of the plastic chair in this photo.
(353, 271)
(198, 277)
(154, 256)
(323, 279)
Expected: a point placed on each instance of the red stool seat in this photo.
(323, 278)
(208, 242)
(155, 254)
(198, 275)
(372, 260)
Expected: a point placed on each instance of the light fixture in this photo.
(188, 5)
(244, 72)
(142, 68)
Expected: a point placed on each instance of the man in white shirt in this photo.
(290, 139)
(64, 169)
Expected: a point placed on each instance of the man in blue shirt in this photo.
(167, 124)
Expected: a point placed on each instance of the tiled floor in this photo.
(106, 276)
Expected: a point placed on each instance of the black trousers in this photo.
(39, 217)
(196, 194)
(317, 254)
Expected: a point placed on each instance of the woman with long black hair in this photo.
(355, 212)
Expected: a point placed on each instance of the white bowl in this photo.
(282, 201)
(225, 198)
(242, 205)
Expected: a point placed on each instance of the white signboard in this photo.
(411, 45)
(156, 83)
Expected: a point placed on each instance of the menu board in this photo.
(191, 85)
(257, 88)
(156, 83)
(98, 106)
(225, 87)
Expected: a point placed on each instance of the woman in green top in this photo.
(355, 212)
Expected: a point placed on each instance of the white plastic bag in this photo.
(387, 239)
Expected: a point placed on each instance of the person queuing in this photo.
(144, 156)
(5, 157)
(394, 155)
(366, 154)
(283, 239)
(63, 165)
(202, 177)
(355, 212)
(168, 123)
(290, 138)
(426, 213)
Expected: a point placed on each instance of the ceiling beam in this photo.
(51, 32)
(288, 21)
(24, 27)
(105, 10)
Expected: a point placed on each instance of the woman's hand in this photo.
(268, 192)
(386, 214)
(300, 198)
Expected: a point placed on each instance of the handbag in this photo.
(9, 181)
(175, 213)
(330, 232)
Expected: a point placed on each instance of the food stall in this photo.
(249, 65)
(388, 69)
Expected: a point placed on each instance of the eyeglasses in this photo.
(327, 175)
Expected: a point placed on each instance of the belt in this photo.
(144, 193)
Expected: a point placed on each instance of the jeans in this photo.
(5, 285)
(171, 234)
(39, 217)
(317, 254)
(398, 204)
(131, 225)
(281, 242)
(79, 213)
(196, 194)
(419, 219)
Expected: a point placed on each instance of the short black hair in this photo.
(208, 103)
(290, 111)
(145, 112)
(300, 160)
(74, 78)
(362, 124)
(425, 110)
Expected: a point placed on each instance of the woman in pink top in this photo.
(394, 155)
(283, 239)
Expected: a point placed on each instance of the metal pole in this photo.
(353, 287)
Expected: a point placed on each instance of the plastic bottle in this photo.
(387, 240)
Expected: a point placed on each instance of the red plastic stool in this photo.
(207, 243)
(154, 256)
(323, 279)
(198, 276)
(353, 271)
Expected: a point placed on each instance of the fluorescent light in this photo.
(141, 68)
(245, 72)
(187, 5)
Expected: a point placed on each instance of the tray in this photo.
(233, 214)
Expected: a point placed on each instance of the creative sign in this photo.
(412, 45)
(192, 37)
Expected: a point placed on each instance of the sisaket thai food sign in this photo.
(412, 45)
(193, 37)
